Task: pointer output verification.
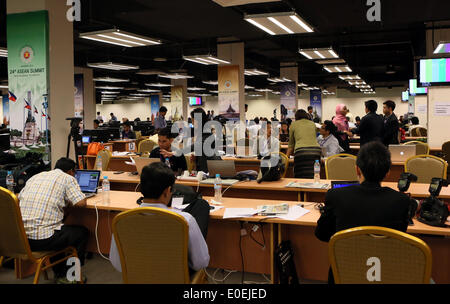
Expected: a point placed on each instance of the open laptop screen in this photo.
(342, 184)
(88, 180)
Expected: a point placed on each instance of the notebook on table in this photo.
(88, 181)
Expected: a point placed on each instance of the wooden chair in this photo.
(153, 247)
(421, 147)
(106, 157)
(419, 132)
(425, 167)
(146, 146)
(341, 167)
(402, 258)
(446, 151)
(14, 242)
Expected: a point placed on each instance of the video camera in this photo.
(433, 211)
(403, 185)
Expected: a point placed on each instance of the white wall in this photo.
(130, 110)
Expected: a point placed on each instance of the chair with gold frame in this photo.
(341, 167)
(14, 243)
(106, 157)
(153, 247)
(146, 146)
(425, 167)
(378, 255)
(421, 147)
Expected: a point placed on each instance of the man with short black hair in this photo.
(371, 126)
(391, 124)
(310, 112)
(164, 151)
(160, 121)
(367, 204)
(157, 181)
(96, 124)
(42, 203)
(127, 133)
(113, 118)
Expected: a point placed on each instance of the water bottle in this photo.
(218, 189)
(167, 162)
(10, 181)
(105, 190)
(317, 172)
(121, 136)
(99, 163)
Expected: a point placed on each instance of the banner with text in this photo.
(27, 35)
(176, 102)
(79, 91)
(154, 105)
(316, 103)
(288, 100)
(229, 91)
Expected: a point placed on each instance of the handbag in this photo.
(284, 259)
(94, 148)
(270, 173)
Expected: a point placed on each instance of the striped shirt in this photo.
(42, 201)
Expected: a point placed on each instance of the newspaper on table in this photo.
(308, 185)
(274, 209)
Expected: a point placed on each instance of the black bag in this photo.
(433, 212)
(271, 173)
(284, 259)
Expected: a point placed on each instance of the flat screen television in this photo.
(414, 90)
(195, 101)
(435, 71)
(405, 96)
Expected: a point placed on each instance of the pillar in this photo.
(89, 104)
(183, 99)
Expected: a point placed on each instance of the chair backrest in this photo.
(446, 151)
(377, 255)
(13, 240)
(138, 134)
(153, 246)
(415, 132)
(425, 167)
(190, 164)
(146, 146)
(285, 160)
(421, 147)
(106, 157)
(341, 167)
(422, 132)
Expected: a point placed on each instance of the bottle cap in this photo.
(9, 172)
(217, 175)
(105, 177)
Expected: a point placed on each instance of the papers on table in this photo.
(308, 185)
(215, 208)
(239, 212)
(117, 153)
(177, 203)
(293, 214)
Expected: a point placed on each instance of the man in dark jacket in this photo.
(371, 127)
(391, 124)
(367, 204)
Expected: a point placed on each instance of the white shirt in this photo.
(330, 145)
(198, 254)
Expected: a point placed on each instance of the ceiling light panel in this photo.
(337, 68)
(109, 88)
(3, 52)
(175, 76)
(324, 53)
(280, 23)
(112, 66)
(255, 72)
(206, 59)
(120, 38)
(158, 84)
(350, 77)
(211, 82)
(110, 79)
(275, 79)
(195, 89)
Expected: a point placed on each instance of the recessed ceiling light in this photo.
(158, 84)
(149, 72)
(263, 90)
(206, 59)
(112, 66)
(247, 87)
(121, 38)
(110, 79)
(279, 23)
(349, 77)
(148, 91)
(254, 72)
(275, 79)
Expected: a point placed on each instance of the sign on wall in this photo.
(176, 102)
(27, 35)
(154, 105)
(316, 103)
(79, 92)
(229, 91)
(288, 100)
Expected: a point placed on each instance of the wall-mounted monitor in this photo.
(435, 71)
(405, 96)
(414, 90)
(195, 101)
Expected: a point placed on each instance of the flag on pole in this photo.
(43, 115)
(11, 96)
(35, 110)
(27, 105)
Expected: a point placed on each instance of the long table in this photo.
(311, 255)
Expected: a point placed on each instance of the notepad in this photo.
(308, 185)
(239, 212)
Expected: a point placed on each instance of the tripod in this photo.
(75, 137)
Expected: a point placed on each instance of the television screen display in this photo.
(414, 90)
(195, 101)
(405, 96)
(434, 71)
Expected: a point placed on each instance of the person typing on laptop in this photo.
(367, 204)
(164, 151)
(42, 203)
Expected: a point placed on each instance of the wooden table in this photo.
(124, 145)
(355, 147)
(311, 256)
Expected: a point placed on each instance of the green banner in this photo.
(27, 36)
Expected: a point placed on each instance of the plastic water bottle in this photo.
(10, 181)
(105, 190)
(121, 136)
(317, 172)
(218, 189)
(99, 163)
(167, 162)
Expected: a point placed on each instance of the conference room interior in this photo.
(72, 75)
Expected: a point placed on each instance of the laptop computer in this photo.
(88, 181)
(86, 139)
(400, 153)
(141, 162)
(342, 184)
(225, 168)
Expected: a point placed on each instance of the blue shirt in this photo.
(160, 122)
(198, 254)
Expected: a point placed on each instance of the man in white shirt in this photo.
(267, 142)
(157, 181)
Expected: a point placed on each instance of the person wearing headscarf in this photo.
(341, 122)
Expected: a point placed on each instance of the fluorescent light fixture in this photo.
(254, 72)
(371, 92)
(149, 72)
(121, 38)
(211, 82)
(247, 87)
(109, 88)
(3, 86)
(166, 96)
(301, 84)
(205, 59)
(275, 79)
(254, 95)
(337, 68)
(350, 77)
(148, 91)
(195, 89)
(276, 93)
(3, 52)
(110, 79)
(357, 82)
(442, 48)
(330, 61)
(140, 95)
(110, 92)
(280, 23)
(175, 76)
(363, 86)
(204, 94)
(214, 92)
(263, 90)
(113, 66)
(158, 84)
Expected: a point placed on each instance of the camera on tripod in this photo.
(75, 136)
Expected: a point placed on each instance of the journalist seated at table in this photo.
(367, 204)
(157, 181)
(127, 133)
(164, 151)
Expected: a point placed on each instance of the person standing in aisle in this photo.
(341, 122)
(371, 127)
(391, 124)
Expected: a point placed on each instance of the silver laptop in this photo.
(400, 153)
(141, 162)
(225, 168)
